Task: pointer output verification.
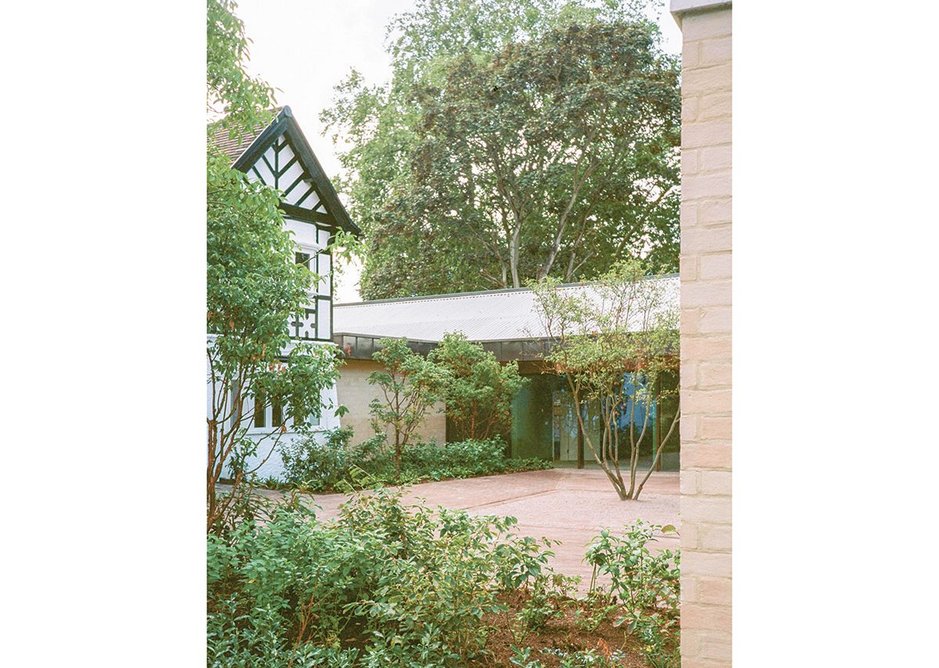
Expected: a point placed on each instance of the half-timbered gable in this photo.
(280, 156)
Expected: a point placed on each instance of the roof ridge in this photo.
(474, 293)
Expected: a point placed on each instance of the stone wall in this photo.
(705, 267)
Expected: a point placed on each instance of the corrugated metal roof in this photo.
(496, 315)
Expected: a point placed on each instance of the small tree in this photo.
(410, 384)
(615, 341)
(477, 389)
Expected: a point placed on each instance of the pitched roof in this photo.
(246, 151)
(234, 148)
(494, 315)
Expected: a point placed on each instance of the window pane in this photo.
(259, 410)
(277, 414)
(303, 258)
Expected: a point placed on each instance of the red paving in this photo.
(569, 505)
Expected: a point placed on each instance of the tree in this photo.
(616, 342)
(410, 385)
(233, 97)
(253, 289)
(516, 140)
(477, 389)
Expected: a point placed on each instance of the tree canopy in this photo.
(477, 389)
(515, 141)
(615, 343)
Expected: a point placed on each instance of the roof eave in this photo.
(282, 122)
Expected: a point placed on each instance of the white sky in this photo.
(305, 47)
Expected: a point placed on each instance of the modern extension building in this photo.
(507, 323)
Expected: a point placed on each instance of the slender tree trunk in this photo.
(658, 452)
(513, 256)
(615, 477)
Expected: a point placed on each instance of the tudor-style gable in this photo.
(280, 156)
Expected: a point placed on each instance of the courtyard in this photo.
(565, 504)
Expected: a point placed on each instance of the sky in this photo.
(303, 48)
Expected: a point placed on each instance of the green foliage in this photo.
(521, 656)
(545, 601)
(477, 389)
(383, 585)
(463, 459)
(245, 101)
(409, 384)
(624, 322)
(315, 463)
(334, 465)
(646, 586)
(516, 140)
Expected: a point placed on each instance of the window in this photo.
(277, 414)
(272, 414)
(302, 259)
(267, 416)
(260, 413)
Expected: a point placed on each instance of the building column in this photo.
(705, 268)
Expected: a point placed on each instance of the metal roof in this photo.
(495, 315)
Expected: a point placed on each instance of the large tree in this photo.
(516, 140)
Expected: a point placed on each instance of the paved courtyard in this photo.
(569, 505)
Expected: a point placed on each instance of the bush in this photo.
(463, 460)
(381, 586)
(316, 466)
(646, 585)
(312, 464)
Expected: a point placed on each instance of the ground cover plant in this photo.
(388, 585)
(334, 464)
(644, 584)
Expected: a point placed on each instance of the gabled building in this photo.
(280, 156)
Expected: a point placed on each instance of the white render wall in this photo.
(274, 466)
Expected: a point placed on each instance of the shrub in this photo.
(313, 464)
(382, 585)
(477, 389)
(464, 459)
(316, 466)
(646, 585)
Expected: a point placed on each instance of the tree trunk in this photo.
(658, 452)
